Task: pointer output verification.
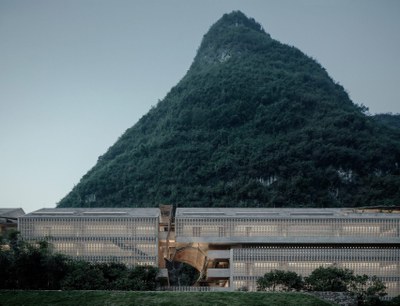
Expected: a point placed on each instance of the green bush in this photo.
(35, 267)
(278, 280)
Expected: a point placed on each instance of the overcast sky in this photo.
(75, 74)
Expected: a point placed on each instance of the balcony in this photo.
(218, 254)
(218, 273)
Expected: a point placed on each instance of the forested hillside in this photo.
(391, 121)
(256, 123)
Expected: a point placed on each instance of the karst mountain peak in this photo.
(233, 35)
(253, 123)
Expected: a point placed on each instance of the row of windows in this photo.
(311, 246)
(209, 221)
(90, 219)
(127, 260)
(257, 261)
(367, 253)
(306, 267)
(105, 248)
(285, 230)
(35, 228)
(122, 251)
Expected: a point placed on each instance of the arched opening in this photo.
(181, 274)
(186, 266)
(191, 256)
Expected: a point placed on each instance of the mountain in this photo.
(255, 123)
(391, 121)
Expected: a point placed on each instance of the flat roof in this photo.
(95, 212)
(282, 212)
(11, 212)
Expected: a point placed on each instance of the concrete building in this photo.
(127, 235)
(235, 246)
(8, 219)
(230, 247)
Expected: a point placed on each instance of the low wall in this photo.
(340, 298)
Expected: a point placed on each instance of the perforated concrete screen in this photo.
(129, 236)
(231, 247)
(299, 240)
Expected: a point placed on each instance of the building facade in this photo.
(230, 247)
(126, 235)
(8, 219)
(240, 245)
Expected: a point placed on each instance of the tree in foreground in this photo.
(278, 280)
(368, 290)
(82, 275)
(30, 266)
(329, 279)
(34, 266)
(139, 278)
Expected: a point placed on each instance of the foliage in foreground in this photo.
(95, 298)
(367, 290)
(278, 280)
(25, 266)
(181, 274)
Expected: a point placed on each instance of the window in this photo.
(221, 231)
(196, 231)
(248, 231)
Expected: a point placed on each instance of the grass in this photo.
(115, 298)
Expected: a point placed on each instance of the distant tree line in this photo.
(36, 267)
(367, 290)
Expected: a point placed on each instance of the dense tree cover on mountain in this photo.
(391, 121)
(37, 267)
(253, 123)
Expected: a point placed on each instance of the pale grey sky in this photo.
(75, 74)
